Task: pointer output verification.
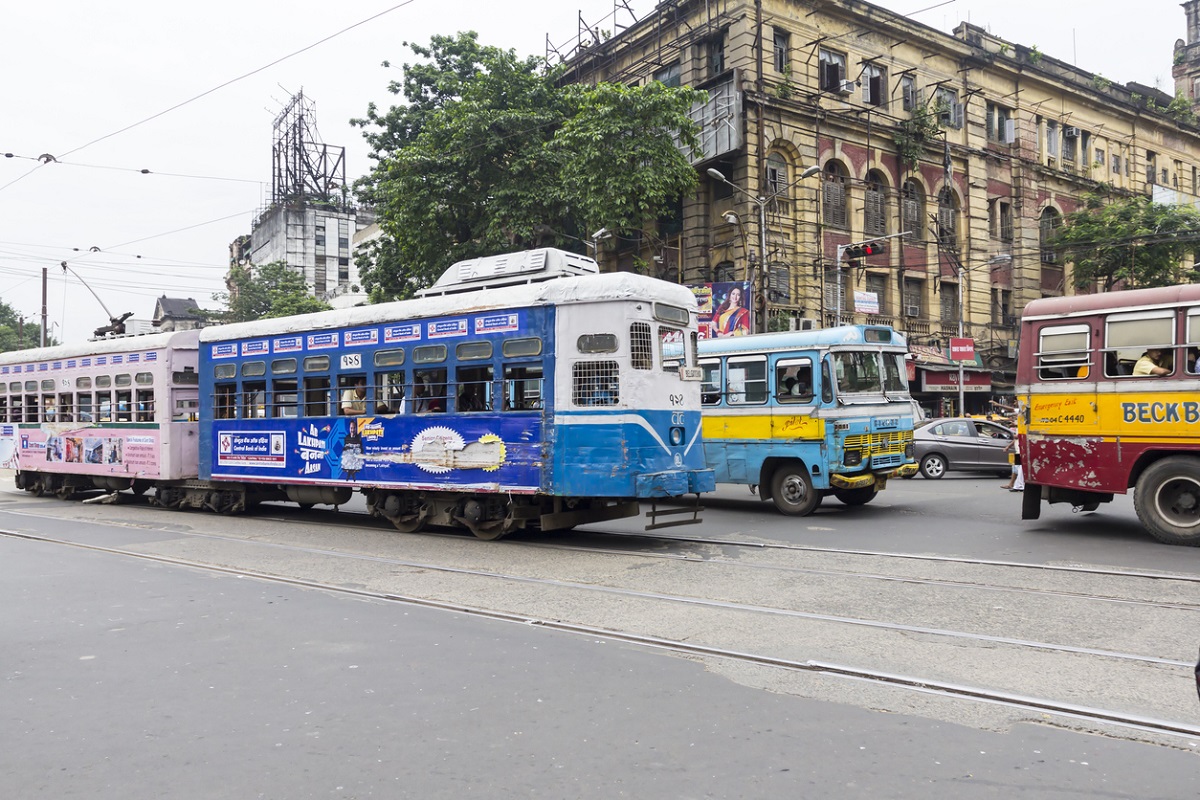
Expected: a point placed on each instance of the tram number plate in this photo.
(690, 373)
(352, 361)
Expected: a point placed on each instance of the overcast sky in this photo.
(77, 74)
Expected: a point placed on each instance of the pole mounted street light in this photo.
(761, 202)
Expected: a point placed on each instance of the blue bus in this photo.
(805, 414)
(520, 391)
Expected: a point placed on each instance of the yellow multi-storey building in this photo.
(965, 150)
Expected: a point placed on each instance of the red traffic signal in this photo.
(858, 251)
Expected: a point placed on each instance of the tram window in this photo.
(596, 343)
(316, 394)
(349, 402)
(66, 407)
(15, 387)
(474, 392)
(429, 390)
(746, 380)
(103, 381)
(83, 383)
(670, 348)
(224, 371)
(595, 383)
(284, 397)
(1063, 352)
(253, 369)
(104, 407)
(49, 408)
(143, 378)
(254, 400)
(48, 385)
(390, 386)
(793, 381)
(124, 406)
(31, 387)
(473, 351)
(316, 364)
(430, 354)
(124, 379)
(389, 358)
(32, 407)
(694, 348)
(283, 366)
(83, 403)
(641, 350)
(14, 410)
(225, 401)
(187, 409)
(710, 383)
(516, 348)
(675, 314)
(522, 387)
(3, 409)
(144, 410)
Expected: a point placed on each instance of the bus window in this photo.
(746, 381)
(283, 397)
(595, 383)
(1129, 337)
(316, 392)
(145, 405)
(793, 381)
(895, 375)
(857, 373)
(710, 383)
(522, 387)
(826, 383)
(474, 391)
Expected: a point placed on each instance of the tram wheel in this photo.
(934, 466)
(412, 523)
(857, 497)
(792, 490)
(1167, 500)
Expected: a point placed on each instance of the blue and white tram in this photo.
(524, 390)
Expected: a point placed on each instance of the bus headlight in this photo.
(676, 436)
(852, 458)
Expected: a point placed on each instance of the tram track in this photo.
(1086, 715)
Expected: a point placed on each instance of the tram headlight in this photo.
(677, 436)
(852, 458)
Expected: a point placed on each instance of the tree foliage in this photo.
(15, 335)
(1129, 242)
(488, 153)
(262, 292)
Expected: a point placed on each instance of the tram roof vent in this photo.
(510, 269)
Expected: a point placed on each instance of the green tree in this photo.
(17, 336)
(262, 292)
(1131, 241)
(488, 153)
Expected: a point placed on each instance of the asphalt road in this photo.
(129, 679)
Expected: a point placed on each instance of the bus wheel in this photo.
(934, 466)
(856, 497)
(1167, 500)
(792, 490)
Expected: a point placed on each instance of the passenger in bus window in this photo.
(1151, 363)
(1192, 353)
(354, 399)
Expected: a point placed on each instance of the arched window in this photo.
(875, 206)
(833, 200)
(913, 212)
(1047, 224)
(947, 218)
(777, 173)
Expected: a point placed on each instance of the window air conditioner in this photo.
(845, 87)
(1071, 133)
(804, 324)
(912, 311)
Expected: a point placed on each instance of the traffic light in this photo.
(858, 251)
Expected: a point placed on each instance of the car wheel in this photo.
(934, 466)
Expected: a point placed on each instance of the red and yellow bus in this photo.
(1110, 401)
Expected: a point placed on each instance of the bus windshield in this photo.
(859, 373)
